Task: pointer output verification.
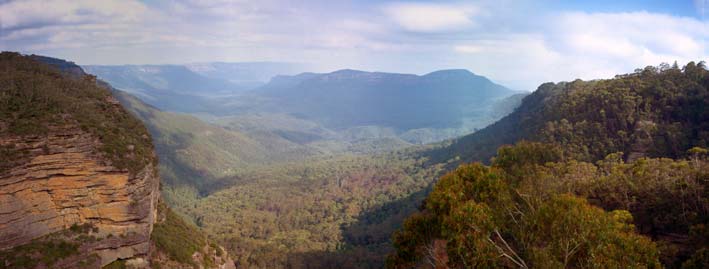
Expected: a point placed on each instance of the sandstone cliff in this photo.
(79, 186)
(78, 182)
(65, 182)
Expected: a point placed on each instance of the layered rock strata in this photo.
(64, 181)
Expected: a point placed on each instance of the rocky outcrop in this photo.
(64, 181)
(78, 175)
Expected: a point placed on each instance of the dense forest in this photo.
(534, 208)
(323, 212)
(617, 179)
(655, 111)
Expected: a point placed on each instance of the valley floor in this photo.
(317, 212)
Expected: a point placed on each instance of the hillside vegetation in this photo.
(198, 154)
(619, 180)
(36, 96)
(655, 112)
(179, 244)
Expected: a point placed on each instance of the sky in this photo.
(519, 44)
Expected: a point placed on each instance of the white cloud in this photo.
(15, 14)
(624, 34)
(420, 17)
(620, 42)
(519, 61)
(584, 45)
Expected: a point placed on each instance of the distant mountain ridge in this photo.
(174, 78)
(189, 88)
(246, 74)
(441, 99)
(416, 108)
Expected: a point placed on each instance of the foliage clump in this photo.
(533, 208)
(49, 249)
(38, 252)
(117, 264)
(177, 238)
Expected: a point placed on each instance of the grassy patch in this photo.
(177, 238)
(37, 252)
(49, 249)
(117, 264)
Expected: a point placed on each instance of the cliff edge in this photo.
(78, 180)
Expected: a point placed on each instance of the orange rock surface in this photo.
(65, 181)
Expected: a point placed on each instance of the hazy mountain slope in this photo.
(169, 87)
(349, 98)
(418, 109)
(361, 139)
(188, 88)
(174, 78)
(247, 75)
(197, 153)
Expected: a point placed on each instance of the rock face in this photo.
(75, 168)
(79, 186)
(65, 182)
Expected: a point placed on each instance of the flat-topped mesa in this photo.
(75, 168)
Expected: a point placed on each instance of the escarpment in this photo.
(64, 182)
(78, 180)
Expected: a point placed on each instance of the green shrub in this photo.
(117, 264)
(178, 239)
(40, 251)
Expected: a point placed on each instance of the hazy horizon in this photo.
(519, 44)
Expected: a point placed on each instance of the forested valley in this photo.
(354, 134)
(614, 175)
